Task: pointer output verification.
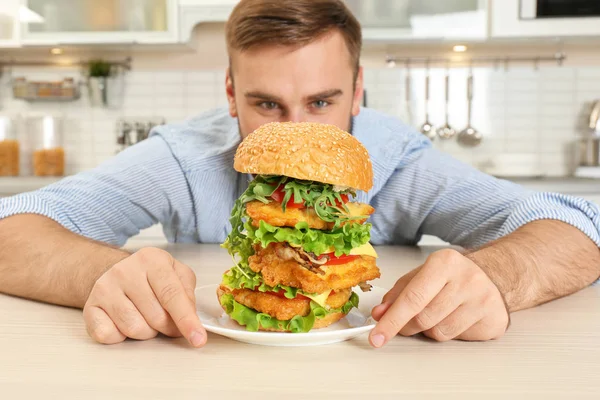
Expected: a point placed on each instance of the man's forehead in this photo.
(328, 47)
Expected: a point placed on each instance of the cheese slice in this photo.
(364, 250)
(320, 299)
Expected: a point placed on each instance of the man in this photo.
(293, 61)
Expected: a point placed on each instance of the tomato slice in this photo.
(333, 260)
(278, 195)
(345, 199)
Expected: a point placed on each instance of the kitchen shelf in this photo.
(14, 185)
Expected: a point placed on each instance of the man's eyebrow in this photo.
(327, 94)
(262, 96)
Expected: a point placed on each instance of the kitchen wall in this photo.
(536, 114)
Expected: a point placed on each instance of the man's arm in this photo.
(542, 261)
(122, 295)
(538, 247)
(41, 260)
(52, 251)
(453, 296)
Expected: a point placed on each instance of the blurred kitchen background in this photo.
(81, 80)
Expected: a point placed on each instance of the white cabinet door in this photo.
(10, 15)
(102, 22)
(506, 22)
(194, 12)
(399, 20)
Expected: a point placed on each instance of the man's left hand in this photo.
(448, 297)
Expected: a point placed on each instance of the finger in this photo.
(144, 299)
(100, 327)
(187, 278)
(455, 324)
(423, 288)
(444, 304)
(128, 319)
(392, 295)
(488, 328)
(171, 294)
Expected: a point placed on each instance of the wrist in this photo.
(107, 258)
(501, 267)
(503, 296)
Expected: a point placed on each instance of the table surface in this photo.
(552, 351)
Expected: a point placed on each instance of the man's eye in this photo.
(268, 105)
(320, 104)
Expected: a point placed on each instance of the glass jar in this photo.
(48, 151)
(9, 147)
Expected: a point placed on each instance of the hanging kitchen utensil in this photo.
(469, 137)
(447, 132)
(427, 127)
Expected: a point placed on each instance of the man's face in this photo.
(314, 83)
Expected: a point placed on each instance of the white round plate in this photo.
(358, 321)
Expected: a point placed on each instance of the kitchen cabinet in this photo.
(10, 14)
(102, 22)
(194, 12)
(513, 19)
(399, 20)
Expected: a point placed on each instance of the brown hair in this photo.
(256, 23)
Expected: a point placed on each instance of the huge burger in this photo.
(298, 243)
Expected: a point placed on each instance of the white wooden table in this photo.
(551, 352)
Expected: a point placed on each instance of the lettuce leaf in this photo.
(342, 240)
(236, 280)
(252, 319)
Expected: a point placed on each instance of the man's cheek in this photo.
(249, 121)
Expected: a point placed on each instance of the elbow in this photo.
(589, 265)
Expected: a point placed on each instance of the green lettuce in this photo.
(235, 279)
(253, 319)
(342, 239)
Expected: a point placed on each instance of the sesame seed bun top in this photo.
(307, 151)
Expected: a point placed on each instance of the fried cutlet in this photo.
(279, 307)
(276, 270)
(272, 214)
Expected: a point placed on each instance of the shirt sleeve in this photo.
(432, 193)
(141, 186)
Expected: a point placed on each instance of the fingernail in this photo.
(378, 340)
(197, 338)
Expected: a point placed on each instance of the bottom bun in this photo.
(319, 322)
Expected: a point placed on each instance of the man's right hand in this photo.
(144, 294)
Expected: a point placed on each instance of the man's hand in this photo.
(146, 293)
(448, 297)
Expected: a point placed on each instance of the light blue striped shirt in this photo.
(183, 177)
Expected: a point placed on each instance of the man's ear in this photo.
(230, 91)
(358, 92)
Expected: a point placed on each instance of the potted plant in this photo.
(99, 72)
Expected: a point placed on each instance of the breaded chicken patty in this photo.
(277, 270)
(273, 214)
(281, 308)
